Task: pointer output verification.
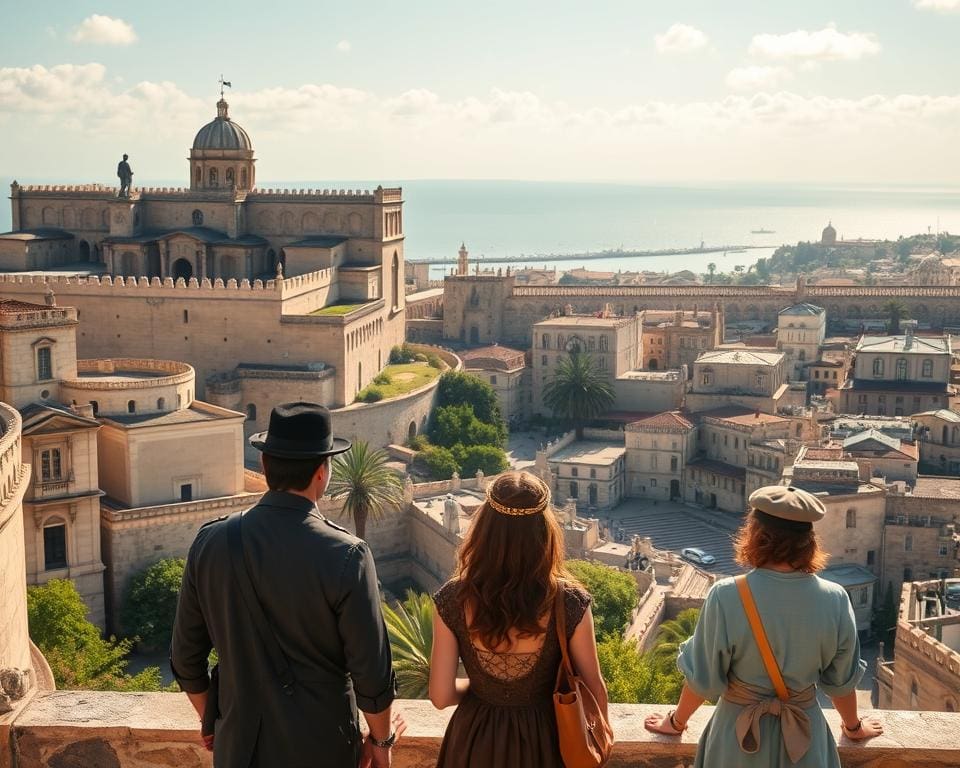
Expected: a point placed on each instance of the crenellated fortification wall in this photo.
(214, 326)
(504, 312)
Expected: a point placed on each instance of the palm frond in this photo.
(410, 628)
(367, 486)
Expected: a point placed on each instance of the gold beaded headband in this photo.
(503, 509)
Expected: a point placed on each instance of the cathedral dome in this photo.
(222, 133)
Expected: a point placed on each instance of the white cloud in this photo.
(940, 6)
(681, 38)
(344, 46)
(104, 30)
(80, 113)
(827, 44)
(756, 78)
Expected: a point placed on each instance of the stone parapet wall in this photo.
(136, 286)
(36, 318)
(14, 478)
(159, 730)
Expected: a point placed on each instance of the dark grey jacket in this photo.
(317, 585)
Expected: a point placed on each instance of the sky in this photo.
(649, 91)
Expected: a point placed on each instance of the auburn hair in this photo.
(758, 544)
(510, 566)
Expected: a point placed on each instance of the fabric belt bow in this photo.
(757, 702)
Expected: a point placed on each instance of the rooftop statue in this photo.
(125, 174)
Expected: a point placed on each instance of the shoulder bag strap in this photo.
(560, 619)
(241, 575)
(760, 635)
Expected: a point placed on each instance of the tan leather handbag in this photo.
(586, 739)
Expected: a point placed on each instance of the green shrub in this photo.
(371, 394)
(401, 354)
(382, 378)
(440, 462)
(614, 595)
(420, 357)
(434, 362)
(419, 442)
(150, 603)
(489, 458)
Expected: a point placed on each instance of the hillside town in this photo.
(144, 337)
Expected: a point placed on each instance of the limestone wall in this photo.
(135, 539)
(14, 476)
(159, 730)
(153, 386)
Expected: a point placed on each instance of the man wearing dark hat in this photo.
(290, 602)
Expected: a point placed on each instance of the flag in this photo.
(227, 84)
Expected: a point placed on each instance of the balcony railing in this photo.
(160, 729)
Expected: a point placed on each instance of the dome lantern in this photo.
(222, 154)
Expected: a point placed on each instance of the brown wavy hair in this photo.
(758, 544)
(510, 567)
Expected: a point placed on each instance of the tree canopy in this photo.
(150, 603)
(614, 595)
(78, 656)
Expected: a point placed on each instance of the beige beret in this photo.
(788, 503)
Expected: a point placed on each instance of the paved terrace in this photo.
(73, 729)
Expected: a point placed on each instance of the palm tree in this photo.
(671, 633)
(578, 390)
(896, 311)
(410, 627)
(711, 268)
(366, 484)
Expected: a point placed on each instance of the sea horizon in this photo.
(532, 220)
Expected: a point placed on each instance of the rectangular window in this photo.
(493, 379)
(50, 465)
(871, 556)
(186, 492)
(55, 547)
(862, 400)
(544, 360)
(862, 596)
(943, 550)
(593, 473)
(908, 543)
(44, 364)
(574, 472)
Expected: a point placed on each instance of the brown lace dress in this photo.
(506, 719)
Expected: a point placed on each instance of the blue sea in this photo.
(498, 219)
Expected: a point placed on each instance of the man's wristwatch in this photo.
(383, 743)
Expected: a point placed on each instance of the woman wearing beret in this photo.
(767, 712)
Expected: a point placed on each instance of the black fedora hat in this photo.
(299, 431)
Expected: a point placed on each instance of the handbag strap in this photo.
(760, 635)
(238, 563)
(560, 619)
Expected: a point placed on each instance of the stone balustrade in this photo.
(154, 730)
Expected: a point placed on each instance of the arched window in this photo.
(851, 518)
(213, 177)
(901, 369)
(545, 342)
(927, 369)
(131, 406)
(914, 695)
(228, 176)
(161, 403)
(251, 412)
(243, 178)
(96, 407)
(878, 366)
(197, 218)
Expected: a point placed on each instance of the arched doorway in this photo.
(396, 280)
(593, 494)
(182, 268)
(653, 364)
(474, 335)
(674, 489)
(412, 430)
(84, 251)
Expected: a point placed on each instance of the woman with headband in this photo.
(496, 615)
(765, 642)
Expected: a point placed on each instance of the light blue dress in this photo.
(812, 631)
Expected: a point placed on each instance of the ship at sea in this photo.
(763, 231)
